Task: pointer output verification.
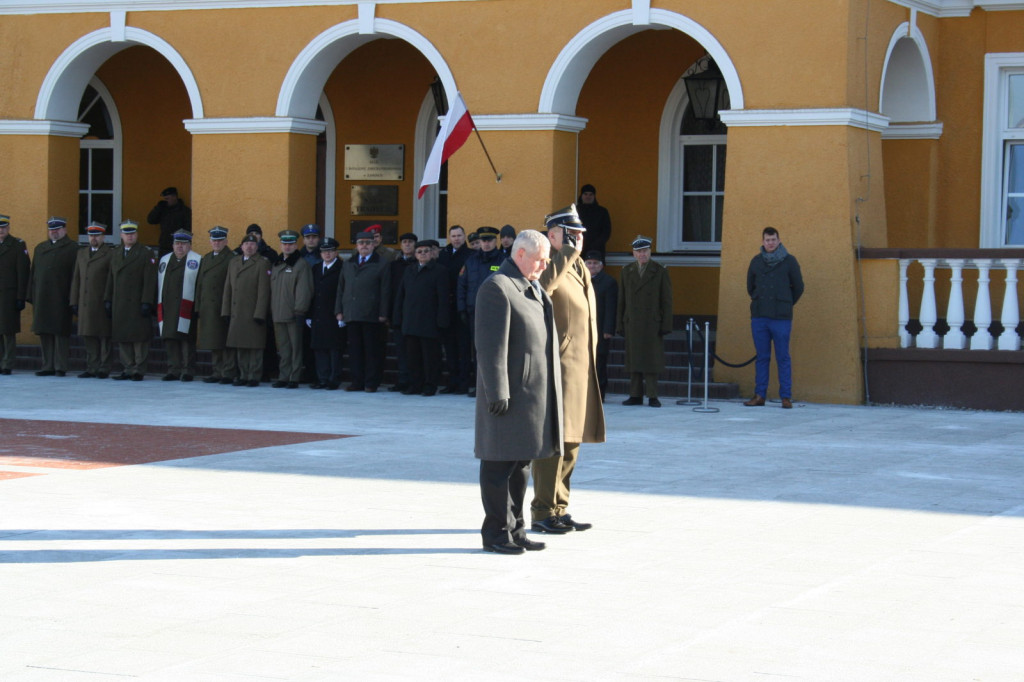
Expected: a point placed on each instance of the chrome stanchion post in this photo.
(689, 367)
(707, 351)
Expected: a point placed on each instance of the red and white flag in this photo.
(454, 133)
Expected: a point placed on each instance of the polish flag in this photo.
(454, 133)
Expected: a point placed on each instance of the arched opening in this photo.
(908, 88)
(100, 172)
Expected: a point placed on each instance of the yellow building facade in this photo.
(847, 124)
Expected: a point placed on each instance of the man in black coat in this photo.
(327, 335)
(422, 313)
(172, 215)
(595, 218)
(606, 290)
(364, 304)
(406, 258)
(456, 339)
(14, 267)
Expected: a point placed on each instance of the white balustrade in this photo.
(982, 339)
(955, 338)
(929, 315)
(1009, 339)
(905, 338)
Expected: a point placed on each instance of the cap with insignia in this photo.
(641, 242)
(288, 236)
(329, 244)
(594, 255)
(374, 228)
(410, 236)
(251, 238)
(95, 228)
(508, 231)
(170, 192)
(566, 218)
(55, 223)
(487, 232)
(129, 227)
(473, 237)
(183, 236)
(219, 232)
(310, 228)
(366, 234)
(5, 221)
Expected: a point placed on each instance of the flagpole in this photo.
(497, 175)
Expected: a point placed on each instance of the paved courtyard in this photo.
(194, 532)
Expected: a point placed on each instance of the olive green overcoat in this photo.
(14, 270)
(132, 282)
(49, 288)
(213, 274)
(88, 288)
(246, 300)
(645, 315)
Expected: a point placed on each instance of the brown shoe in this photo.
(756, 401)
(787, 404)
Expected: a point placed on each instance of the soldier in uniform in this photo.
(480, 265)
(567, 281)
(291, 290)
(644, 317)
(311, 254)
(213, 330)
(53, 264)
(176, 289)
(130, 300)
(14, 272)
(327, 334)
(246, 306)
(364, 304)
(88, 288)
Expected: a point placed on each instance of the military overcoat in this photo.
(14, 271)
(291, 288)
(53, 264)
(247, 299)
(645, 315)
(131, 283)
(517, 359)
(89, 287)
(567, 281)
(213, 274)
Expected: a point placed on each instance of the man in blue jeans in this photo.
(775, 285)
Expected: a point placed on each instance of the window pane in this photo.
(83, 169)
(697, 219)
(103, 209)
(103, 169)
(719, 209)
(697, 168)
(720, 168)
(83, 212)
(1016, 100)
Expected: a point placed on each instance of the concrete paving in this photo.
(824, 543)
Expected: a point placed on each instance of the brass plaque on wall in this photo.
(375, 162)
(374, 199)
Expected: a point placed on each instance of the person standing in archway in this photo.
(172, 215)
(595, 218)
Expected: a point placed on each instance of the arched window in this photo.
(99, 175)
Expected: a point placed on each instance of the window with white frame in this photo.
(99, 161)
(1002, 181)
(702, 157)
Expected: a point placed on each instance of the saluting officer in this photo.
(130, 300)
(246, 305)
(176, 291)
(291, 291)
(88, 287)
(213, 330)
(14, 272)
(53, 265)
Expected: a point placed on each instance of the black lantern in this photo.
(440, 101)
(704, 89)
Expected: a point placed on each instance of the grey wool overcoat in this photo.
(517, 359)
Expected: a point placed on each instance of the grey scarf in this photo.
(775, 257)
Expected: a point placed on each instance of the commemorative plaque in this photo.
(375, 162)
(374, 199)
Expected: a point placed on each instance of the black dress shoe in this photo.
(371, 389)
(86, 375)
(429, 391)
(45, 373)
(447, 390)
(211, 380)
(567, 520)
(5, 372)
(253, 383)
(332, 386)
(654, 402)
(122, 377)
(61, 373)
(504, 548)
(553, 525)
(136, 377)
(398, 388)
(187, 377)
(292, 384)
(227, 381)
(316, 385)
(239, 382)
(279, 384)
(103, 375)
(170, 376)
(471, 393)
(412, 390)
(355, 387)
(633, 401)
(530, 545)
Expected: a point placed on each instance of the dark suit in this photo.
(326, 338)
(364, 298)
(517, 361)
(422, 313)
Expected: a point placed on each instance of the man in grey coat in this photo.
(518, 390)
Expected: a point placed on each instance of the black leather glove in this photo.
(498, 407)
(147, 310)
(108, 308)
(259, 320)
(20, 305)
(74, 309)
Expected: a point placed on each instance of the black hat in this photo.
(170, 191)
(487, 232)
(55, 223)
(365, 234)
(408, 235)
(254, 228)
(425, 243)
(310, 228)
(473, 237)
(594, 255)
(433, 243)
(566, 218)
(641, 242)
(329, 244)
(508, 231)
(587, 188)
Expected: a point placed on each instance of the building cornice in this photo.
(257, 124)
(913, 131)
(857, 118)
(571, 124)
(42, 127)
(78, 6)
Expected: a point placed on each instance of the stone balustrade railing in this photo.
(982, 266)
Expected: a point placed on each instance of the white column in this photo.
(1010, 318)
(955, 310)
(982, 339)
(929, 315)
(906, 340)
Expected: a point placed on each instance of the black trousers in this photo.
(456, 350)
(366, 352)
(503, 491)
(424, 356)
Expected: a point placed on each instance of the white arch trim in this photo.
(62, 88)
(308, 74)
(909, 31)
(572, 66)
